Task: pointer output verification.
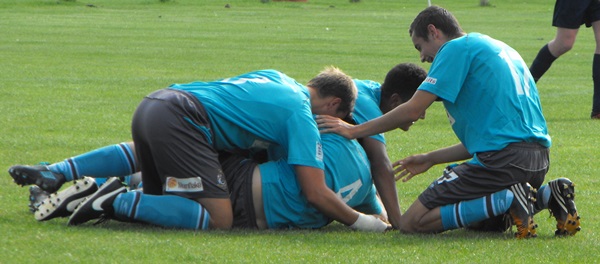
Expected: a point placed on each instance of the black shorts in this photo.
(173, 142)
(238, 172)
(574, 13)
(517, 163)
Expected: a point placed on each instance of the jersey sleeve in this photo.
(304, 142)
(444, 81)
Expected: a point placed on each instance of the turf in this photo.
(73, 72)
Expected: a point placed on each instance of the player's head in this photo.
(433, 27)
(439, 17)
(400, 84)
(332, 92)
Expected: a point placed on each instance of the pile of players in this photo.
(260, 150)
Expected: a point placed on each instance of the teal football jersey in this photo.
(489, 95)
(258, 109)
(347, 173)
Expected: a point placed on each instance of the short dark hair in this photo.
(441, 18)
(403, 79)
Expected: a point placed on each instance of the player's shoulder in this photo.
(466, 39)
(271, 73)
(366, 84)
(337, 145)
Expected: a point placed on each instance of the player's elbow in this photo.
(314, 197)
(414, 115)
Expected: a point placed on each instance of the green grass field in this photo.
(73, 72)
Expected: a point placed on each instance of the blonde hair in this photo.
(334, 82)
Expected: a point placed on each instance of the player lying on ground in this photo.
(263, 196)
(494, 109)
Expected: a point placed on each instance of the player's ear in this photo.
(432, 30)
(334, 103)
(395, 100)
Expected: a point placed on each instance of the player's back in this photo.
(347, 173)
(256, 109)
(489, 94)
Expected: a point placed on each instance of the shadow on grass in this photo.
(333, 233)
(337, 232)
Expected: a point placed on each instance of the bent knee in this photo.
(419, 219)
(221, 220)
(409, 224)
(561, 47)
(415, 228)
(220, 211)
(407, 230)
(222, 224)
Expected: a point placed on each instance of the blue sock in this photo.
(114, 160)
(467, 212)
(100, 181)
(126, 180)
(163, 210)
(543, 198)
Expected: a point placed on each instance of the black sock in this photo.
(541, 63)
(596, 77)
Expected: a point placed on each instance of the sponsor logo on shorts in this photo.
(184, 184)
(430, 80)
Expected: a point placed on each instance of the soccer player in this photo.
(373, 99)
(266, 195)
(494, 109)
(179, 131)
(569, 15)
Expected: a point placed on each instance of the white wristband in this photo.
(369, 223)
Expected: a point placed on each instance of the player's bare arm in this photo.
(414, 165)
(401, 117)
(312, 182)
(383, 177)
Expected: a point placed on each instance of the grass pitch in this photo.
(73, 72)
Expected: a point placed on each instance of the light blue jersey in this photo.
(365, 109)
(367, 103)
(257, 109)
(347, 173)
(487, 115)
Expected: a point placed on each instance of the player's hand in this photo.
(411, 166)
(370, 223)
(382, 217)
(330, 124)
